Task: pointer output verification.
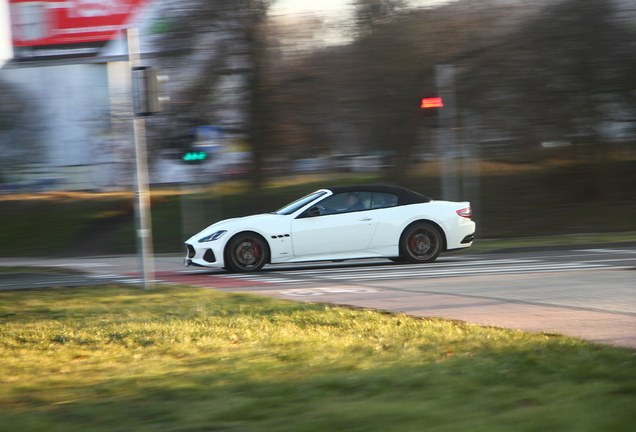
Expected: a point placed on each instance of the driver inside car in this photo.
(353, 202)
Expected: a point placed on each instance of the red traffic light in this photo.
(433, 102)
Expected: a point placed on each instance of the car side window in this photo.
(346, 202)
(383, 200)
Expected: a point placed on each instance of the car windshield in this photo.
(292, 207)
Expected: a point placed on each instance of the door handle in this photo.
(366, 219)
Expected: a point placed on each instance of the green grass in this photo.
(557, 240)
(38, 269)
(179, 358)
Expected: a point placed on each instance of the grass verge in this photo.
(38, 269)
(178, 358)
(482, 245)
(509, 201)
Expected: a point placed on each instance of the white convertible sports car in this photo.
(334, 224)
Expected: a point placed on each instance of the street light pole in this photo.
(142, 196)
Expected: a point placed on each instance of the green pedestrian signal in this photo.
(194, 156)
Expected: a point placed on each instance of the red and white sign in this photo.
(67, 28)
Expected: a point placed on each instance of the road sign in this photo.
(48, 30)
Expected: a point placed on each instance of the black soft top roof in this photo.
(404, 195)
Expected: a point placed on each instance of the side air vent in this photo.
(280, 236)
(209, 256)
(468, 239)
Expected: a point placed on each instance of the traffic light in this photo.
(185, 148)
(430, 107)
(147, 91)
(194, 156)
(431, 102)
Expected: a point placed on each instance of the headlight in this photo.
(214, 236)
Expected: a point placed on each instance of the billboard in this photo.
(66, 29)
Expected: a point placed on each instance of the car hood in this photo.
(246, 222)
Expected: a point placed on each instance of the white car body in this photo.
(366, 233)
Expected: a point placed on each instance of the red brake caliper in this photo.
(257, 251)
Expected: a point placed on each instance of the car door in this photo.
(339, 232)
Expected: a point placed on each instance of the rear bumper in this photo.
(468, 239)
(462, 235)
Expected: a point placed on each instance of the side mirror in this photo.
(314, 211)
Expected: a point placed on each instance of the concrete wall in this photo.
(74, 110)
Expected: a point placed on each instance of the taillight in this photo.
(465, 212)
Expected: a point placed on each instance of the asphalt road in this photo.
(588, 292)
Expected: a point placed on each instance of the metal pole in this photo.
(142, 195)
(471, 166)
(447, 140)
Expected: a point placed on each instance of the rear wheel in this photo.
(246, 252)
(421, 243)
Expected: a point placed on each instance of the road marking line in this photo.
(426, 273)
(323, 291)
(610, 260)
(603, 250)
(266, 279)
(406, 266)
(526, 272)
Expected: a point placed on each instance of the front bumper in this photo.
(206, 255)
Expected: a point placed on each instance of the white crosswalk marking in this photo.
(323, 291)
(265, 278)
(409, 271)
(608, 260)
(411, 266)
(602, 250)
(469, 272)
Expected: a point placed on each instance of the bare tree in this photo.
(532, 74)
(215, 52)
(556, 76)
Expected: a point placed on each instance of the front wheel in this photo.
(247, 252)
(421, 243)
